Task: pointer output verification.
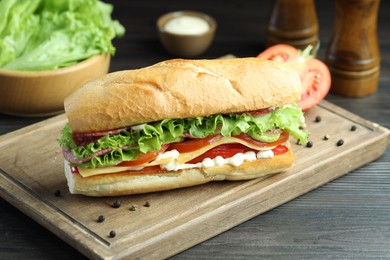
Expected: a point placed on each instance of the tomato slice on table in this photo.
(316, 80)
(315, 75)
(280, 52)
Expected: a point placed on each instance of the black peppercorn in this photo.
(340, 142)
(353, 128)
(133, 208)
(318, 119)
(57, 193)
(101, 218)
(112, 233)
(147, 204)
(309, 144)
(326, 137)
(117, 204)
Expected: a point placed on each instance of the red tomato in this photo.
(316, 82)
(280, 52)
(144, 158)
(74, 170)
(194, 144)
(315, 75)
(280, 149)
(225, 150)
(229, 150)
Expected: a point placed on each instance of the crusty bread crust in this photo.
(181, 89)
(126, 183)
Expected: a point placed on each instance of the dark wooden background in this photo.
(348, 218)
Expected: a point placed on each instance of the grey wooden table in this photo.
(348, 218)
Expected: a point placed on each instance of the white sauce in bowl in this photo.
(187, 25)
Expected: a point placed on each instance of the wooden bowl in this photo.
(42, 93)
(186, 45)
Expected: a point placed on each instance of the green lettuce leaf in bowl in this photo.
(47, 34)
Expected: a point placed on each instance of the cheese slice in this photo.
(169, 157)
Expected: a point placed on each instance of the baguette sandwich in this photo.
(181, 123)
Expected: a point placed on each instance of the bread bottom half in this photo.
(126, 183)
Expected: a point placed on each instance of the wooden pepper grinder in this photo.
(293, 22)
(352, 54)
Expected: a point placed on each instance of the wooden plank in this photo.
(32, 170)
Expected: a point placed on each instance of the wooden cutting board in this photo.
(159, 225)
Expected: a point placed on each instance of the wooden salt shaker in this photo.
(352, 54)
(293, 22)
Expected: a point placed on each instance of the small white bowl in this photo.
(186, 45)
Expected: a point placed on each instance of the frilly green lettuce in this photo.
(153, 136)
(47, 34)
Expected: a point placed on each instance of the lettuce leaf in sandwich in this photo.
(151, 136)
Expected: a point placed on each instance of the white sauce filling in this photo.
(235, 160)
(173, 154)
(266, 154)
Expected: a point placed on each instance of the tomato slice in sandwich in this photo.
(280, 149)
(229, 150)
(198, 143)
(194, 144)
(224, 150)
(144, 158)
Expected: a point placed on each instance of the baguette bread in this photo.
(127, 183)
(181, 89)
